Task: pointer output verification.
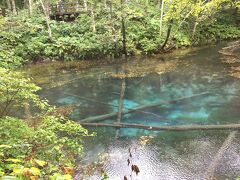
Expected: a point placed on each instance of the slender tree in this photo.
(85, 4)
(46, 13)
(93, 18)
(168, 32)
(9, 7)
(30, 6)
(14, 9)
(161, 18)
(124, 41)
(113, 30)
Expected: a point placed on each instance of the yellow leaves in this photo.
(145, 139)
(35, 171)
(17, 171)
(40, 163)
(26, 172)
(2, 173)
(14, 160)
(5, 146)
(58, 176)
(32, 169)
(65, 177)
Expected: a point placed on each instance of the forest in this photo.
(112, 28)
(50, 46)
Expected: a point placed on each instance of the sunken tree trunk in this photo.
(139, 108)
(120, 104)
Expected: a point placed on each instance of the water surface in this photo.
(164, 155)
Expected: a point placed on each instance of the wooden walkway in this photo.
(65, 11)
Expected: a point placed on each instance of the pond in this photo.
(159, 155)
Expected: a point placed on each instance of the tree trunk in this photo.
(124, 41)
(85, 5)
(168, 34)
(105, 4)
(14, 9)
(93, 19)
(9, 7)
(120, 105)
(25, 3)
(77, 6)
(113, 26)
(194, 28)
(161, 18)
(45, 11)
(30, 7)
(159, 4)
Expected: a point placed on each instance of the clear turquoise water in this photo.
(169, 155)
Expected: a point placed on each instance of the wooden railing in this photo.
(62, 8)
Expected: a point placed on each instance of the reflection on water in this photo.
(169, 155)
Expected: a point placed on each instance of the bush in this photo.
(44, 144)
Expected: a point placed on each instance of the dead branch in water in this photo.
(112, 105)
(114, 114)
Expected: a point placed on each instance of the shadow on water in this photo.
(164, 155)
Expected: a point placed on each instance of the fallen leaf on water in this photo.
(135, 169)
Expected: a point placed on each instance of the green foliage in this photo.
(45, 144)
(25, 39)
(181, 39)
(16, 90)
(223, 26)
(217, 31)
(56, 141)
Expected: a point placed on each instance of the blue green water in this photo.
(168, 155)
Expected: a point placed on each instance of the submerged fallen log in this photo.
(112, 105)
(114, 114)
(167, 128)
